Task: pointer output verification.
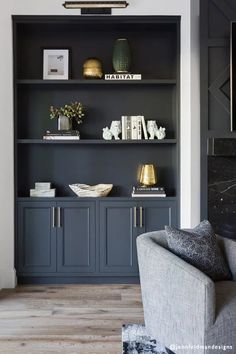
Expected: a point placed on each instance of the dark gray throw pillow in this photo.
(199, 247)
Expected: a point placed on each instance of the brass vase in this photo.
(148, 176)
(92, 69)
(121, 59)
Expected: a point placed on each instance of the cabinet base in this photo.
(77, 280)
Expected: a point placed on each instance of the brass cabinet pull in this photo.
(58, 217)
(141, 216)
(135, 216)
(53, 217)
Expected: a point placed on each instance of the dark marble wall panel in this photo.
(218, 173)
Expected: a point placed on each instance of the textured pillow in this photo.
(199, 248)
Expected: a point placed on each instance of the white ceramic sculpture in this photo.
(152, 129)
(115, 129)
(107, 134)
(85, 190)
(161, 133)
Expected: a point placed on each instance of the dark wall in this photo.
(218, 174)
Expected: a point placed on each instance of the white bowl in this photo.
(85, 190)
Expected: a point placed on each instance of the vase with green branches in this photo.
(66, 114)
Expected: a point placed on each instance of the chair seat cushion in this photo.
(199, 247)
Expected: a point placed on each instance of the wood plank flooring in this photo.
(67, 319)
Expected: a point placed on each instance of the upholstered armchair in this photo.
(182, 305)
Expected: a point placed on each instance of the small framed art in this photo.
(55, 64)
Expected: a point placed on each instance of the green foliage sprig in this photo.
(74, 110)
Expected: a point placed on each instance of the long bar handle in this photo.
(58, 217)
(135, 216)
(53, 217)
(141, 216)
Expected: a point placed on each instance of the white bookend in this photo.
(128, 128)
(144, 128)
(124, 127)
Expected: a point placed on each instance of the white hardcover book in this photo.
(134, 128)
(144, 128)
(128, 128)
(40, 193)
(123, 127)
(148, 195)
(139, 127)
(43, 186)
(123, 77)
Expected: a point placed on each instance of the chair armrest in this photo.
(178, 299)
(228, 247)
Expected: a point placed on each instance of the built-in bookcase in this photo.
(69, 239)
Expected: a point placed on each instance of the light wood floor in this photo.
(67, 319)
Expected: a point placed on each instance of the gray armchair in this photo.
(182, 305)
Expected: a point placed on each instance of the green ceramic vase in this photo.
(121, 59)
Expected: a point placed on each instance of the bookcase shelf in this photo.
(97, 82)
(96, 141)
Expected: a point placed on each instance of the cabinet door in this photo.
(36, 237)
(154, 215)
(76, 237)
(118, 238)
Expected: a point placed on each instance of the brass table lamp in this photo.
(148, 176)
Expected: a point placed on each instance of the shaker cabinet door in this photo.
(76, 237)
(36, 239)
(118, 238)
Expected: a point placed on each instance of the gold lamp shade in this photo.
(148, 176)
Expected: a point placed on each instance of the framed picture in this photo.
(55, 64)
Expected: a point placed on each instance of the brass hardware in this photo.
(92, 68)
(58, 217)
(53, 217)
(148, 175)
(94, 4)
(141, 217)
(135, 216)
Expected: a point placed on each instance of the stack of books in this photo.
(62, 135)
(43, 189)
(148, 192)
(133, 127)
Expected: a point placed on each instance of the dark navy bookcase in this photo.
(70, 239)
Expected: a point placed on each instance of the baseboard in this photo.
(8, 278)
(77, 280)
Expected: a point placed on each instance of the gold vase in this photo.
(148, 176)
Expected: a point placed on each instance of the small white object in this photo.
(107, 134)
(161, 133)
(43, 186)
(115, 129)
(42, 193)
(152, 129)
(85, 190)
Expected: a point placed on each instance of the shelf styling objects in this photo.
(121, 58)
(148, 175)
(56, 64)
(66, 114)
(107, 134)
(151, 128)
(148, 192)
(85, 190)
(161, 133)
(43, 190)
(132, 127)
(115, 129)
(92, 69)
(127, 77)
(62, 135)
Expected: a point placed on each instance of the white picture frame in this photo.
(55, 64)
